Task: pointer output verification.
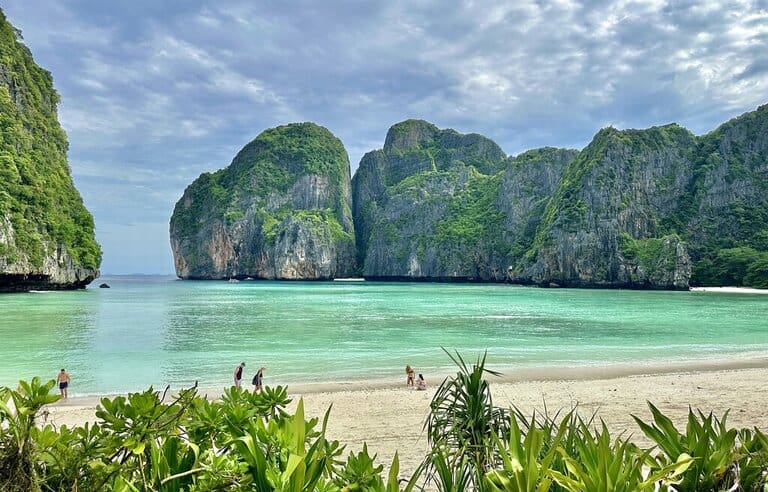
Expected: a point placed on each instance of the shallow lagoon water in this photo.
(159, 330)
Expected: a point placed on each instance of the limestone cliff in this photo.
(604, 223)
(281, 210)
(46, 234)
(652, 209)
(437, 205)
(724, 211)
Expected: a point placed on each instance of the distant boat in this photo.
(350, 279)
(233, 281)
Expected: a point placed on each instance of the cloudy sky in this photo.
(156, 92)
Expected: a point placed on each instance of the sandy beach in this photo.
(389, 417)
(730, 290)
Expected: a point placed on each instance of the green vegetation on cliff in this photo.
(653, 208)
(726, 204)
(269, 164)
(473, 225)
(37, 195)
(290, 180)
(420, 146)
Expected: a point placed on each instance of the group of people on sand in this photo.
(420, 384)
(257, 381)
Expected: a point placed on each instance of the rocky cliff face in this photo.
(648, 209)
(603, 225)
(424, 209)
(657, 208)
(46, 234)
(281, 210)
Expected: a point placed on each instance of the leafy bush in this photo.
(243, 441)
(248, 441)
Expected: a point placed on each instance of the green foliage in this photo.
(463, 424)
(526, 459)
(243, 441)
(267, 167)
(734, 266)
(36, 190)
(19, 470)
(707, 440)
(472, 229)
(248, 441)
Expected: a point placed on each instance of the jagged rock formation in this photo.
(603, 224)
(652, 209)
(657, 208)
(46, 234)
(281, 210)
(410, 204)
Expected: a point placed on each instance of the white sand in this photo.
(730, 290)
(390, 418)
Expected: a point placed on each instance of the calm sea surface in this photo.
(158, 330)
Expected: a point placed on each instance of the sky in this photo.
(153, 93)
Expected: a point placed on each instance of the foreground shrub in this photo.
(148, 441)
(141, 443)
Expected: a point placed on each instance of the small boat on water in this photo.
(233, 281)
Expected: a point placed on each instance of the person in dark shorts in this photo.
(239, 374)
(63, 381)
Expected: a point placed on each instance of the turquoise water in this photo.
(158, 330)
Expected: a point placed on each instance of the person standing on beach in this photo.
(239, 374)
(63, 380)
(410, 373)
(258, 380)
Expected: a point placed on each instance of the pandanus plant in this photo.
(461, 428)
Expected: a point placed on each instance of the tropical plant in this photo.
(707, 440)
(526, 458)
(19, 470)
(753, 460)
(141, 442)
(462, 425)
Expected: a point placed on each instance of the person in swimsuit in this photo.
(410, 373)
(239, 374)
(258, 380)
(63, 380)
(421, 385)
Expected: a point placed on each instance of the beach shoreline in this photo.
(730, 290)
(389, 417)
(508, 374)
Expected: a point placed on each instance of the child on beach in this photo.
(409, 372)
(421, 385)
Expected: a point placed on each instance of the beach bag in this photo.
(255, 379)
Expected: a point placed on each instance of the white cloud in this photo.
(151, 97)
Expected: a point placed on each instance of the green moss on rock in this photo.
(233, 222)
(37, 195)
